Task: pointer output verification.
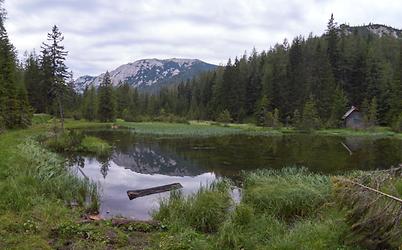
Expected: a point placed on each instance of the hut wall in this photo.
(355, 121)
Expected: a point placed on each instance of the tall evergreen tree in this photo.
(338, 108)
(14, 109)
(310, 119)
(106, 100)
(32, 79)
(332, 50)
(89, 104)
(53, 57)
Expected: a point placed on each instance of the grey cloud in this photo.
(102, 34)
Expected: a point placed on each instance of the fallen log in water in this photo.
(132, 194)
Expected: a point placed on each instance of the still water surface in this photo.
(139, 162)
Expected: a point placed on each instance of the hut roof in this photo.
(350, 111)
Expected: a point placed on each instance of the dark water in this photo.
(139, 162)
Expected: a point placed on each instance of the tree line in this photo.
(308, 83)
(14, 107)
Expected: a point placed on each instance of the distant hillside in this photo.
(149, 74)
(376, 29)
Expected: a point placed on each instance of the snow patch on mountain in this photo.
(147, 73)
(375, 29)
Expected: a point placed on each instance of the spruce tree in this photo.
(338, 108)
(310, 119)
(32, 79)
(261, 111)
(14, 109)
(373, 113)
(89, 104)
(106, 100)
(54, 55)
(332, 49)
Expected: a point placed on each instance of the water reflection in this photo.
(115, 181)
(144, 162)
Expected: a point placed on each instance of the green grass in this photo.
(35, 188)
(41, 119)
(202, 212)
(288, 193)
(194, 129)
(373, 132)
(208, 129)
(36, 193)
(205, 128)
(261, 220)
(288, 209)
(75, 141)
(95, 145)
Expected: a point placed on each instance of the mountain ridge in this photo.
(371, 28)
(149, 74)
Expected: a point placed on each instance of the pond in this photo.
(139, 162)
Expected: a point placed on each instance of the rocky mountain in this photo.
(149, 74)
(376, 29)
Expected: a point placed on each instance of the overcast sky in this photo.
(103, 34)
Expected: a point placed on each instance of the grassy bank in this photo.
(208, 128)
(195, 128)
(43, 204)
(286, 209)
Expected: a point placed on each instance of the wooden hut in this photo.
(353, 118)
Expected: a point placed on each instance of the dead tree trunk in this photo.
(133, 194)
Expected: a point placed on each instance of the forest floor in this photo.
(42, 204)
